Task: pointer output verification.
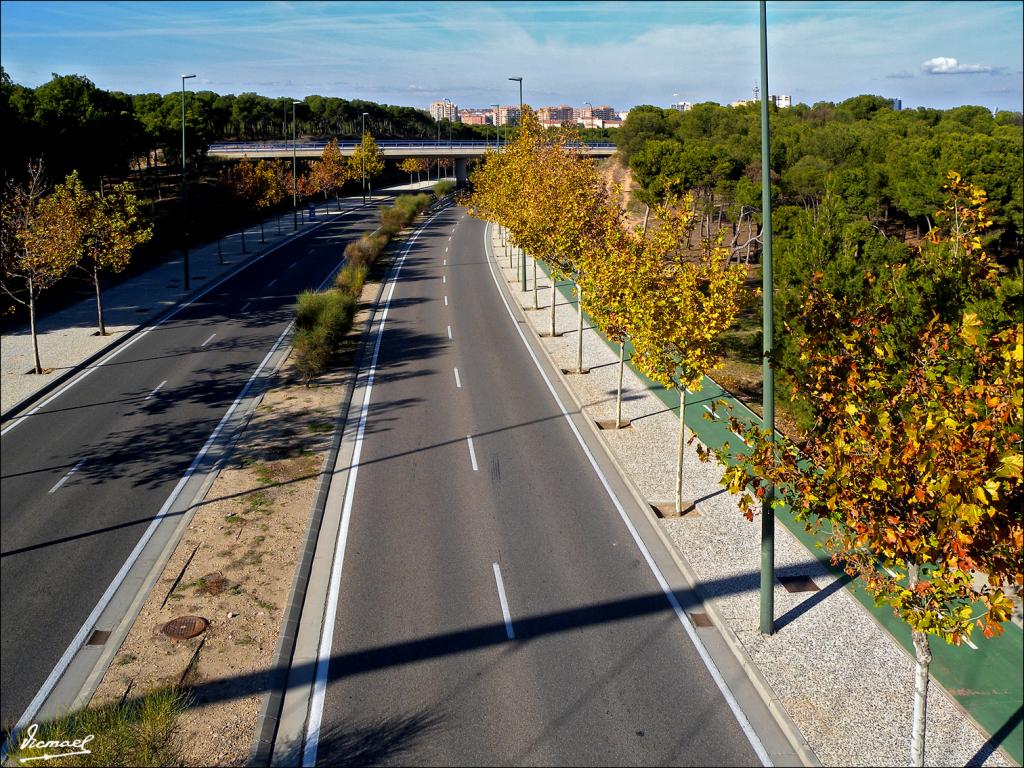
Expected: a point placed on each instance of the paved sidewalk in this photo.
(842, 678)
(68, 337)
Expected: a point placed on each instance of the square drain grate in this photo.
(699, 619)
(98, 637)
(799, 584)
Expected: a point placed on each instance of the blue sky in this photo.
(938, 54)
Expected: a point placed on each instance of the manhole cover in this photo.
(184, 627)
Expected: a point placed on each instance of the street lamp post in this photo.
(451, 114)
(497, 137)
(590, 115)
(362, 156)
(184, 176)
(295, 183)
(768, 373)
(522, 261)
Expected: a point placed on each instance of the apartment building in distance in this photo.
(444, 110)
(476, 116)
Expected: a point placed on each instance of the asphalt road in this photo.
(423, 670)
(63, 538)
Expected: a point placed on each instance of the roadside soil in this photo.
(235, 565)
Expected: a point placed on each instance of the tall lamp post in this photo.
(184, 176)
(451, 114)
(768, 374)
(295, 182)
(497, 137)
(522, 261)
(362, 156)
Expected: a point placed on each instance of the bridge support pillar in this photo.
(461, 165)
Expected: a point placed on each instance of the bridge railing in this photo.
(274, 146)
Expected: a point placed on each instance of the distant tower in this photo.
(757, 93)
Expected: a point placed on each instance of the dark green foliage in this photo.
(442, 188)
(889, 167)
(321, 322)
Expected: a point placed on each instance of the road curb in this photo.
(261, 752)
(770, 699)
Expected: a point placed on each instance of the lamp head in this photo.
(186, 77)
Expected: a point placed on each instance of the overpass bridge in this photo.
(460, 151)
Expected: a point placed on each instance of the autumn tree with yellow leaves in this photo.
(914, 464)
(39, 242)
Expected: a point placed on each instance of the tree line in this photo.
(74, 125)
(912, 463)
(887, 164)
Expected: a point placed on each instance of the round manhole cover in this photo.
(184, 627)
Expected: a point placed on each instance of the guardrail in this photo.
(270, 146)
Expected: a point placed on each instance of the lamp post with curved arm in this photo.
(497, 136)
(295, 182)
(362, 156)
(184, 177)
(522, 261)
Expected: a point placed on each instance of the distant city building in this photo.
(681, 106)
(563, 113)
(475, 117)
(444, 110)
(604, 112)
(782, 101)
(506, 116)
(897, 105)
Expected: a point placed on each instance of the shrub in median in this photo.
(351, 278)
(321, 322)
(365, 251)
(442, 188)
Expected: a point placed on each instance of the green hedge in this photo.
(322, 319)
(442, 188)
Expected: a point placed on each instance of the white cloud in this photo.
(942, 65)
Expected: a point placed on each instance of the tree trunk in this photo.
(220, 255)
(535, 304)
(682, 445)
(923, 655)
(243, 239)
(99, 301)
(647, 215)
(32, 324)
(554, 293)
(278, 226)
(579, 328)
(618, 395)
(262, 240)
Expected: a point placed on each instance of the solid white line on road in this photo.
(316, 703)
(472, 453)
(208, 340)
(444, 278)
(79, 639)
(158, 386)
(69, 474)
(458, 382)
(271, 283)
(446, 300)
(971, 645)
(890, 571)
(709, 664)
(246, 306)
(449, 333)
(708, 409)
(504, 603)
